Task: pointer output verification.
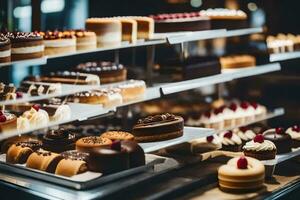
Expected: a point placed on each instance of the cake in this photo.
(237, 61)
(85, 40)
(58, 113)
(129, 29)
(239, 114)
(8, 121)
(229, 116)
(107, 97)
(108, 31)
(5, 49)
(230, 141)
(59, 140)
(145, 27)
(90, 143)
(294, 132)
(57, 42)
(176, 22)
(26, 45)
(43, 160)
(19, 152)
(259, 110)
(7, 92)
(108, 72)
(135, 152)
(158, 128)
(212, 120)
(282, 43)
(132, 90)
(245, 134)
(241, 174)
(37, 89)
(282, 141)
(117, 135)
(260, 148)
(249, 111)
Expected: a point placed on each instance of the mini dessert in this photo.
(67, 77)
(18, 153)
(282, 43)
(249, 111)
(158, 127)
(90, 143)
(109, 160)
(37, 89)
(241, 174)
(145, 27)
(26, 45)
(259, 110)
(108, 31)
(237, 61)
(245, 134)
(175, 22)
(282, 141)
(7, 92)
(58, 42)
(117, 135)
(132, 90)
(85, 40)
(230, 141)
(294, 132)
(213, 120)
(135, 152)
(5, 49)
(239, 114)
(108, 72)
(8, 121)
(58, 113)
(129, 29)
(59, 140)
(43, 160)
(5, 144)
(73, 163)
(107, 97)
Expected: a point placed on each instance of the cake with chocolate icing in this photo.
(5, 49)
(37, 89)
(282, 140)
(8, 121)
(89, 143)
(230, 141)
(174, 22)
(158, 128)
(85, 40)
(7, 92)
(108, 72)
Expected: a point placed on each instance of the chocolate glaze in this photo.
(32, 144)
(75, 155)
(16, 37)
(156, 118)
(135, 152)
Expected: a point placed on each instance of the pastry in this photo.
(5, 144)
(8, 121)
(73, 163)
(174, 22)
(5, 49)
(129, 29)
(245, 134)
(37, 89)
(294, 132)
(19, 152)
(282, 140)
(132, 90)
(58, 113)
(108, 72)
(43, 160)
(117, 135)
(85, 40)
(145, 27)
(108, 31)
(158, 127)
(135, 152)
(59, 140)
(241, 174)
(237, 61)
(57, 42)
(7, 92)
(260, 148)
(282, 43)
(26, 45)
(35, 118)
(230, 141)
(90, 143)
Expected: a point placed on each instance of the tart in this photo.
(117, 135)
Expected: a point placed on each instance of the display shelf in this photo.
(241, 32)
(284, 56)
(29, 62)
(282, 157)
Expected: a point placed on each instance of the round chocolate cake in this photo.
(5, 50)
(282, 141)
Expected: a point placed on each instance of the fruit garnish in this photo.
(233, 107)
(2, 118)
(242, 163)
(279, 130)
(296, 128)
(210, 138)
(36, 107)
(254, 105)
(244, 105)
(228, 134)
(259, 138)
(116, 145)
(19, 95)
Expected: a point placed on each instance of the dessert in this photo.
(145, 27)
(90, 143)
(294, 132)
(129, 29)
(230, 141)
(249, 111)
(85, 40)
(135, 152)
(26, 45)
(237, 61)
(7, 92)
(158, 127)
(282, 43)
(73, 163)
(8, 121)
(241, 174)
(245, 134)
(132, 90)
(174, 22)
(58, 113)
(108, 72)
(43, 160)
(108, 31)
(282, 141)
(260, 148)
(213, 120)
(106, 97)
(117, 135)
(5, 144)
(239, 114)
(67, 77)
(19, 152)
(259, 110)
(59, 140)
(57, 42)
(229, 116)
(5, 49)
(37, 89)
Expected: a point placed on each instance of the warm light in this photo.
(51, 6)
(252, 6)
(196, 3)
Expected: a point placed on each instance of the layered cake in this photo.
(108, 72)
(230, 141)
(260, 148)
(129, 29)
(37, 89)
(175, 22)
(5, 49)
(132, 90)
(145, 27)
(241, 174)
(85, 40)
(158, 128)
(87, 144)
(282, 140)
(108, 31)
(26, 45)
(8, 121)
(294, 132)
(117, 135)
(7, 92)
(237, 61)
(57, 42)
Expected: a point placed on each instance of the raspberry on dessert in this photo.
(19, 95)
(242, 163)
(244, 105)
(259, 138)
(210, 138)
(116, 145)
(254, 105)
(233, 107)
(279, 130)
(36, 107)
(2, 118)
(207, 114)
(228, 134)
(296, 128)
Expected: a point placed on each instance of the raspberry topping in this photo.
(242, 163)
(244, 105)
(116, 145)
(279, 130)
(228, 134)
(207, 114)
(36, 107)
(259, 138)
(254, 105)
(233, 107)
(210, 138)
(296, 128)
(19, 95)
(2, 118)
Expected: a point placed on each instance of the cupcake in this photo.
(245, 134)
(212, 120)
(259, 110)
(248, 110)
(282, 141)
(260, 148)
(294, 132)
(229, 117)
(238, 113)
(230, 141)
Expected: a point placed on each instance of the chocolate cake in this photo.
(7, 92)
(135, 152)
(37, 89)
(282, 141)
(5, 50)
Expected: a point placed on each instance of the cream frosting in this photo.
(23, 124)
(234, 140)
(109, 37)
(294, 134)
(37, 118)
(23, 50)
(202, 145)
(247, 135)
(267, 145)
(5, 53)
(62, 113)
